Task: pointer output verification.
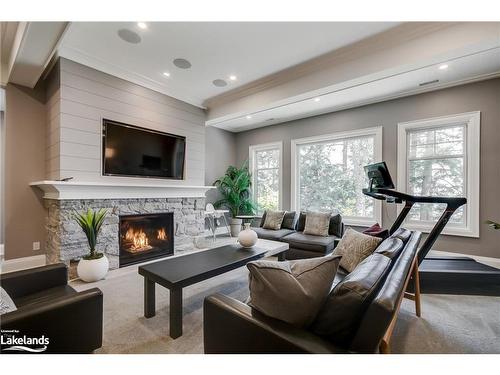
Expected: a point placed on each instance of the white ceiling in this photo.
(215, 49)
(370, 89)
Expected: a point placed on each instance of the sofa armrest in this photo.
(21, 283)
(72, 324)
(232, 327)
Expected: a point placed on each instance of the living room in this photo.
(179, 187)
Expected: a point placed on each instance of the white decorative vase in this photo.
(90, 270)
(247, 237)
(235, 225)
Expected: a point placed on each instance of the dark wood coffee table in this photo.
(180, 271)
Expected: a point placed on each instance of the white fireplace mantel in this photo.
(61, 190)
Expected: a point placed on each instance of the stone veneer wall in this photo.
(66, 241)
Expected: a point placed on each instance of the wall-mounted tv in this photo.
(133, 151)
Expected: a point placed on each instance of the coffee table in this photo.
(181, 271)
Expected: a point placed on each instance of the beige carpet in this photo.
(449, 324)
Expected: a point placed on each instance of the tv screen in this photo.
(137, 152)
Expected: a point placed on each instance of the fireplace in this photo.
(146, 236)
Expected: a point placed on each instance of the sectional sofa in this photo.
(303, 245)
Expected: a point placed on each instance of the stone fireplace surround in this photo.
(66, 241)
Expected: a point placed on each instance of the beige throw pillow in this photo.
(317, 223)
(354, 247)
(292, 291)
(273, 220)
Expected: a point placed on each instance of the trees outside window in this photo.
(329, 175)
(265, 165)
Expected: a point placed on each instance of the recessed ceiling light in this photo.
(249, 117)
(443, 66)
(142, 25)
(233, 77)
(317, 99)
(219, 82)
(166, 74)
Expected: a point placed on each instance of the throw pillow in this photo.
(335, 228)
(377, 231)
(273, 220)
(317, 223)
(262, 219)
(292, 291)
(6, 303)
(289, 220)
(354, 247)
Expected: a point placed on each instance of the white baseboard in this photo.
(492, 262)
(22, 263)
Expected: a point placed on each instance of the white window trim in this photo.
(472, 157)
(376, 131)
(251, 162)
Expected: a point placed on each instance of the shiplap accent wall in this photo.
(86, 96)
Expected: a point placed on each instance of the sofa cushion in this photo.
(335, 228)
(354, 247)
(6, 303)
(299, 240)
(390, 247)
(344, 307)
(403, 234)
(290, 220)
(269, 234)
(291, 291)
(273, 220)
(45, 295)
(317, 223)
(301, 222)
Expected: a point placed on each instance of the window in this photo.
(265, 165)
(328, 174)
(440, 157)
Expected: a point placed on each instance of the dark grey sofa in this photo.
(357, 316)
(303, 245)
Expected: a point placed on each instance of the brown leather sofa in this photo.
(357, 317)
(48, 306)
(303, 245)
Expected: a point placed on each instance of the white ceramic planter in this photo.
(93, 269)
(235, 225)
(247, 237)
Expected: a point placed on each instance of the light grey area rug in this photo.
(449, 324)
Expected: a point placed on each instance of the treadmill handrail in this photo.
(381, 193)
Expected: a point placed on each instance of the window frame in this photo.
(252, 149)
(472, 149)
(376, 131)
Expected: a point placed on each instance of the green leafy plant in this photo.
(235, 188)
(493, 224)
(91, 223)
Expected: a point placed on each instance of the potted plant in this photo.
(93, 266)
(493, 224)
(234, 187)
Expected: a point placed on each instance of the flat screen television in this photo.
(133, 151)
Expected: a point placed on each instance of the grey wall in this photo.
(86, 96)
(220, 152)
(24, 163)
(481, 96)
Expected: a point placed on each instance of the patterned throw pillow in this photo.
(317, 223)
(273, 220)
(6, 303)
(354, 247)
(292, 291)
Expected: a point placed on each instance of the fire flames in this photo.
(161, 234)
(140, 241)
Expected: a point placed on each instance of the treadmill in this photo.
(438, 274)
